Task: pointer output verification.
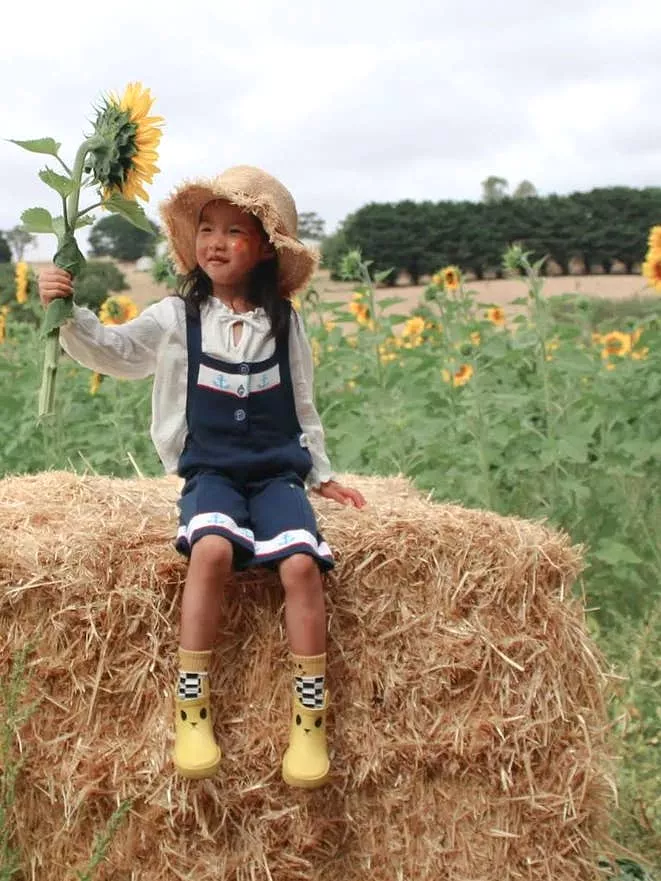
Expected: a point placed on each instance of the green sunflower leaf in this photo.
(85, 220)
(59, 182)
(42, 145)
(59, 310)
(129, 210)
(68, 256)
(37, 220)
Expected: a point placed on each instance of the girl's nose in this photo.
(219, 242)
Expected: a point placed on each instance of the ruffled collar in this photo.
(255, 316)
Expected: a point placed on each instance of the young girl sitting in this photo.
(233, 414)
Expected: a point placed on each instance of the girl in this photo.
(233, 414)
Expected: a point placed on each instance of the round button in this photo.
(244, 369)
(241, 391)
(239, 415)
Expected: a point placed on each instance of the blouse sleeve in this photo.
(302, 374)
(127, 351)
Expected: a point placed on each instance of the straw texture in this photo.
(467, 721)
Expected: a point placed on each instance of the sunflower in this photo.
(496, 316)
(95, 383)
(124, 148)
(654, 240)
(117, 310)
(21, 282)
(616, 344)
(652, 267)
(451, 278)
(460, 376)
(360, 312)
(414, 327)
(475, 338)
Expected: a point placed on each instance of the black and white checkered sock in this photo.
(310, 691)
(190, 685)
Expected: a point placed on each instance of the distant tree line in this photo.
(598, 227)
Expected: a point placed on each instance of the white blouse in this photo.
(155, 343)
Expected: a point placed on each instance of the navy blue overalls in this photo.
(245, 459)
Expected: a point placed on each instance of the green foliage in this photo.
(96, 282)
(48, 146)
(132, 211)
(310, 226)
(38, 220)
(18, 239)
(30, 312)
(163, 271)
(14, 715)
(333, 248)
(598, 227)
(103, 841)
(494, 189)
(5, 250)
(117, 237)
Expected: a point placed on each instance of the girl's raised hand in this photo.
(342, 494)
(54, 282)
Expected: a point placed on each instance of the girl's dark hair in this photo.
(196, 287)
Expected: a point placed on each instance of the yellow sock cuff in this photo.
(310, 665)
(194, 662)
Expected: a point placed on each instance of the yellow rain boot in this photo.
(196, 753)
(305, 763)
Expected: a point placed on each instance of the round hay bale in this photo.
(467, 720)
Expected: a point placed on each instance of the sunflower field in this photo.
(543, 410)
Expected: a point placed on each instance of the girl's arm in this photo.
(302, 375)
(127, 351)
(302, 371)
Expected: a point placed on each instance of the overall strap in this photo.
(194, 349)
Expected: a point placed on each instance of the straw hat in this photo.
(255, 191)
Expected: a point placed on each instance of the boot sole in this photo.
(197, 773)
(305, 782)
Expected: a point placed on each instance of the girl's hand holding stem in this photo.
(54, 283)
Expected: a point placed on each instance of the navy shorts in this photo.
(266, 520)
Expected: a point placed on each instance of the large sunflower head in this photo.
(652, 269)
(654, 240)
(124, 146)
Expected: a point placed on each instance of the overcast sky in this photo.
(349, 102)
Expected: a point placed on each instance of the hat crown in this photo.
(259, 185)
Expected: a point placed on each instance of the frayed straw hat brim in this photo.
(256, 192)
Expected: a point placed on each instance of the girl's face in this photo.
(229, 244)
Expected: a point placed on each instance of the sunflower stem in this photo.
(87, 210)
(47, 390)
(77, 175)
(52, 346)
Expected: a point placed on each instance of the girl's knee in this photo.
(300, 570)
(214, 552)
